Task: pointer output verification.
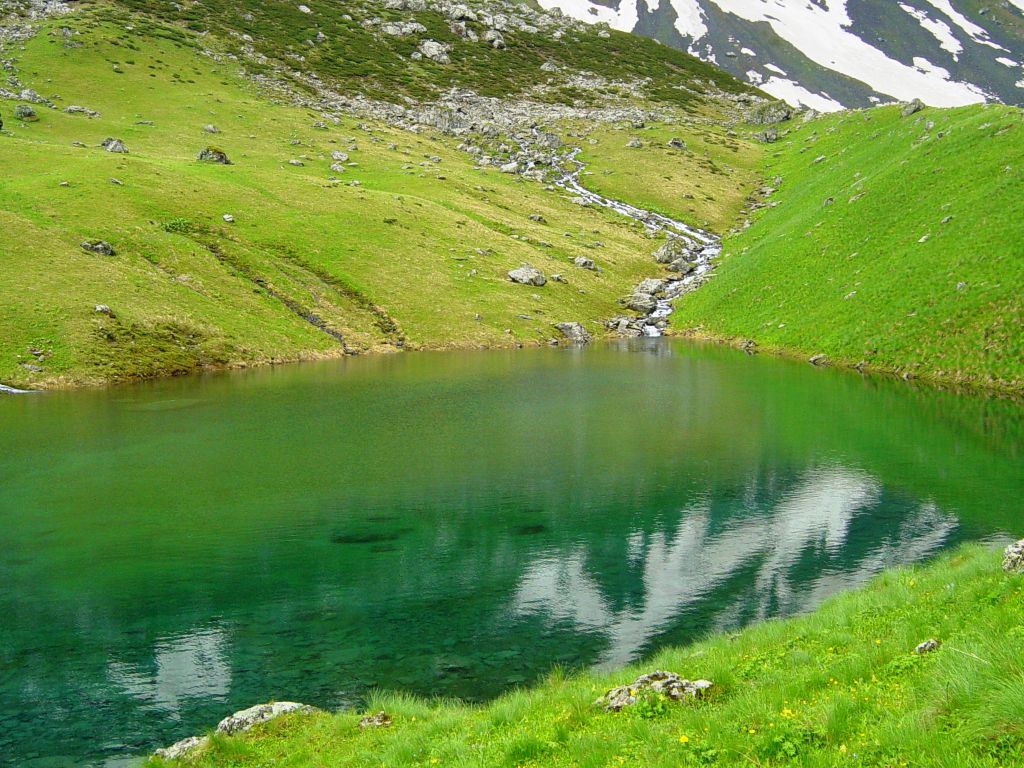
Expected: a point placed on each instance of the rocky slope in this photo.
(838, 53)
(209, 185)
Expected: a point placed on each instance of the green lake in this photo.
(447, 524)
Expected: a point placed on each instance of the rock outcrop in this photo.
(668, 684)
(527, 275)
(1013, 557)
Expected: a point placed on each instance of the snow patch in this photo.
(755, 77)
(939, 30)
(823, 35)
(795, 94)
(779, 70)
(976, 33)
(690, 19)
(747, 52)
(1007, 62)
(624, 18)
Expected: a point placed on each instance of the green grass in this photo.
(409, 258)
(704, 184)
(840, 686)
(854, 260)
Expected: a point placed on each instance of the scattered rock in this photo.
(634, 143)
(538, 218)
(183, 748)
(928, 646)
(818, 359)
(435, 51)
(584, 263)
(1013, 557)
(673, 248)
(25, 113)
(668, 684)
(339, 157)
(103, 309)
(229, 218)
(768, 135)
(650, 286)
(380, 720)
(296, 163)
(769, 113)
(527, 275)
(74, 109)
(211, 128)
(495, 38)
(213, 155)
(102, 247)
(676, 143)
(574, 332)
(261, 713)
(912, 108)
(643, 303)
(115, 145)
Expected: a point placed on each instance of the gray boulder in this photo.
(495, 38)
(927, 646)
(673, 248)
(584, 263)
(912, 108)
(634, 143)
(213, 155)
(261, 713)
(769, 113)
(527, 275)
(435, 51)
(574, 332)
(211, 128)
(75, 109)
(643, 303)
(339, 157)
(677, 143)
(1013, 557)
(25, 113)
(682, 265)
(115, 145)
(102, 247)
(650, 286)
(668, 684)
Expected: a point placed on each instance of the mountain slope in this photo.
(357, 222)
(850, 53)
(889, 242)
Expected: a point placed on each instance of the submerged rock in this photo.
(1013, 557)
(668, 684)
(261, 713)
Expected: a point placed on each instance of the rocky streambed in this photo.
(687, 254)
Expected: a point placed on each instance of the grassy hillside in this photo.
(840, 686)
(893, 242)
(407, 245)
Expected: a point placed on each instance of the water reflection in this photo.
(448, 525)
(679, 569)
(193, 665)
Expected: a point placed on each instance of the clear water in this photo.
(448, 524)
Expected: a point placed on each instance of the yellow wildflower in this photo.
(684, 739)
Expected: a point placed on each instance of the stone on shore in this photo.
(673, 248)
(668, 684)
(261, 713)
(574, 332)
(1013, 557)
(183, 748)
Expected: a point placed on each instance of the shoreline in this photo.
(970, 387)
(811, 683)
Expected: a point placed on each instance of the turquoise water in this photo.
(447, 524)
